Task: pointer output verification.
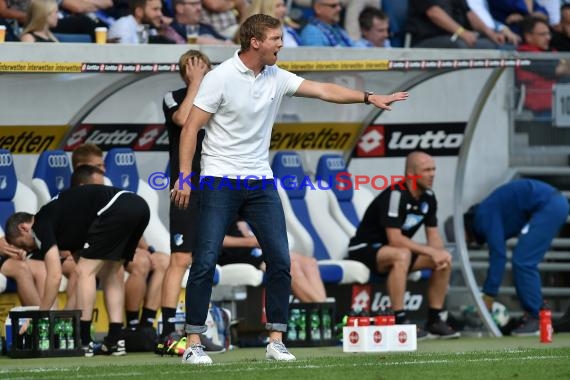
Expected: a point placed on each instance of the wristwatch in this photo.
(366, 96)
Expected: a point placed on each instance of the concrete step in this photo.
(543, 170)
(510, 291)
(544, 267)
(550, 255)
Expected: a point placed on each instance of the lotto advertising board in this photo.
(397, 140)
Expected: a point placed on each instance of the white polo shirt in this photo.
(244, 108)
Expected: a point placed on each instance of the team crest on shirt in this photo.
(59, 182)
(125, 181)
(412, 220)
(178, 239)
(424, 207)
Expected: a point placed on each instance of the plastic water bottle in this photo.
(180, 318)
(545, 324)
(292, 325)
(327, 327)
(68, 333)
(8, 332)
(302, 325)
(315, 325)
(59, 331)
(43, 332)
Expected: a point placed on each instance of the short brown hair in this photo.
(184, 58)
(11, 229)
(255, 27)
(83, 152)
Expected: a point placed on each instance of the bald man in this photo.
(383, 242)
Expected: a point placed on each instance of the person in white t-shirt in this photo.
(237, 103)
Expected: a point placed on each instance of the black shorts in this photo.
(184, 225)
(115, 234)
(366, 254)
(238, 255)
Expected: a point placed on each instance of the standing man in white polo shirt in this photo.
(238, 102)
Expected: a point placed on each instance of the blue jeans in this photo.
(258, 203)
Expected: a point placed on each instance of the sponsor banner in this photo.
(139, 137)
(31, 139)
(297, 66)
(40, 67)
(314, 136)
(437, 139)
(154, 137)
(129, 67)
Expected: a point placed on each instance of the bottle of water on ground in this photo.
(292, 325)
(315, 325)
(43, 332)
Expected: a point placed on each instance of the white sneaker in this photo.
(276, 350)
(195, 355)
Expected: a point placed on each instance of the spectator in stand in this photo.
(224, 15)
(277, 9)
(539, 77)
(13, 14)
(78, 16)
(13, 264)
(187, 13)
(513, 12)
(42, 15)
(374, 28)
(143, 25)
(481, 9)
(324, 29)
(9, 24)
(353, 9)
(561, 40)
(147, 269)
(449, 24)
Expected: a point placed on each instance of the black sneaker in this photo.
(211, 347)
(89, 350)
(421, 334)
(529, 327)
(92, 349)
(117, 349)
(442, 330)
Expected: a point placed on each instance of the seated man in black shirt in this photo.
(102, 225)
(449, 24)
(383, 242)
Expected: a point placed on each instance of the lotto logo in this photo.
(5, 159)
(372, 142)
(291, 161)
(335, 163)
(125, 159)
(58, 161)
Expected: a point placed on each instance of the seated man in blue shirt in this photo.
(528, 209)
(324, 29)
